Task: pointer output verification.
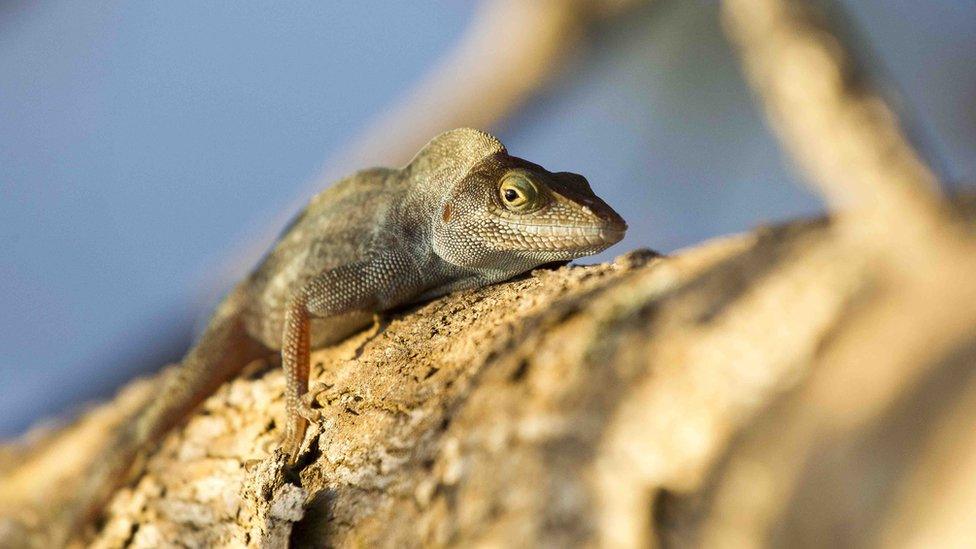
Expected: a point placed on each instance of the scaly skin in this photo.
(462, 214)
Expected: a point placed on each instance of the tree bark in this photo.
(782, 385)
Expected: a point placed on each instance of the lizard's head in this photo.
(496, 211)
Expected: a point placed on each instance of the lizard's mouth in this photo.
(585, 239)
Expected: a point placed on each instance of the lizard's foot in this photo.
(310, 399)
(299, 417)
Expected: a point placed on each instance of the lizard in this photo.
(463, 213)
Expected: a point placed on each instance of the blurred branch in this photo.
(824, 464)
(841, 133)
(511, 49)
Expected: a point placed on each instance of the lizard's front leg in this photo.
(295, 361)
(331, 293)
(367, 286)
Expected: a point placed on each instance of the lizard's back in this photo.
(340, 226)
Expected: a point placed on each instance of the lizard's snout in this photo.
(614, 223)
(612, 226)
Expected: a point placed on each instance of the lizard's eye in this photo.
(518, 193)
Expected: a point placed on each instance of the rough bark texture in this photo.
(680, 400)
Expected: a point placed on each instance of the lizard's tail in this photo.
(220, 353)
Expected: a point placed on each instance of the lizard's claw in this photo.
(309, 399)
(309, 413)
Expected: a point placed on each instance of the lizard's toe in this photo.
(316, 388)
(313, 415)
(308, 401)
